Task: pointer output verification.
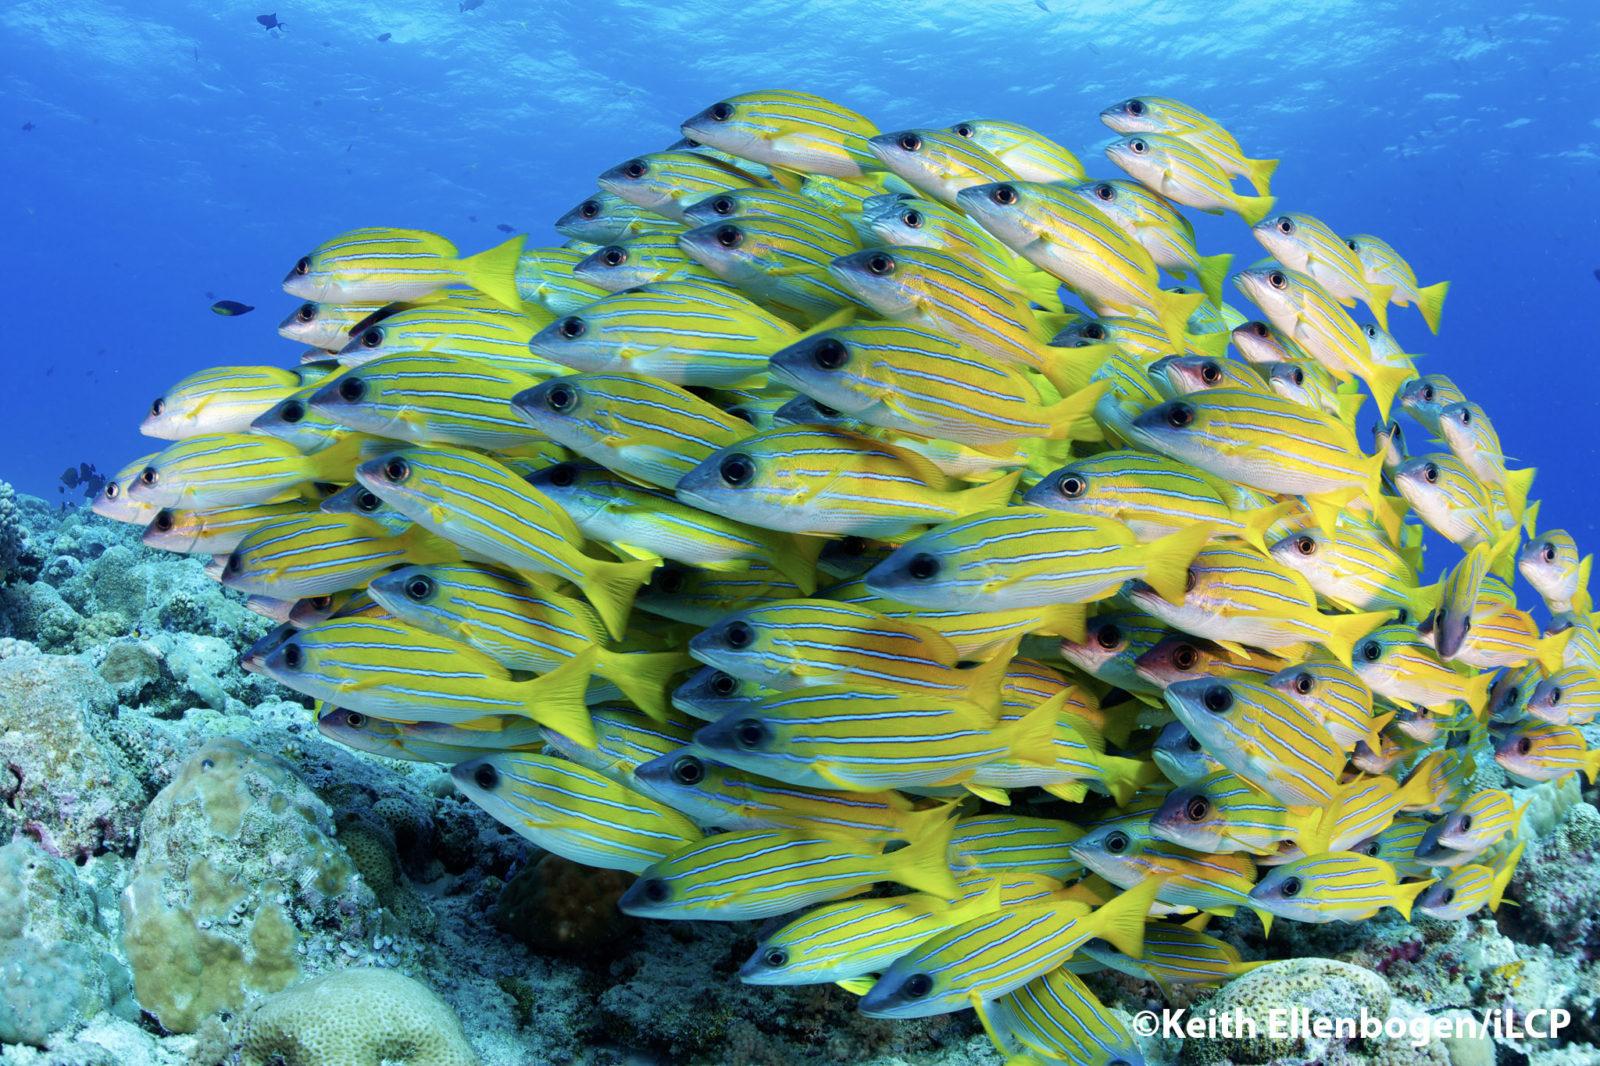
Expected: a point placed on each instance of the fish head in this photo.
(1215, 710)
(1290, 891)
(1549, 701)
(733, 125)
(353, 399)
(1106, 637)
(304, 324)
(740, 737)
(1549, 562)
(1441, 900)
(1259, 343)
(1465, 428)
(771, 963)
(721, 206)
(1178, 428)
(1114, 850)
(346, 726)
(711, 694)
(897, 219)
(729, 249)
(581, 489)
(586, 221)
(1180, 756)
(1282, 237)
(1178, 657)
(169, 529)
(1141, 157)
(1067, 489)
(739, 645)
(829, 367)
(744, 481)
(914, 155)
(1137, 114)
(617, 266)
(579, 341)
(910, 991)
(1275, 290)
(930, 571)
(409, 591)
(1304, 551)
(1011, 210)
(1109, 198)
(309, 280)
(1423, 398)
(1180, 375)
(253, 658)
(1520, 751)
(555, 406)
(1190, 818)
(675, 778)
(875, 277)
(1081, 333)
(166, 419)
(634, 180)
(309, 610)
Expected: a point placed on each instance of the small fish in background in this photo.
(27, 127)
(469, 5)
(506, 228)
(271, 22)
(231, 308)
(384, 37)
(83, 477)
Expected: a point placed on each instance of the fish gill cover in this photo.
(827, 508)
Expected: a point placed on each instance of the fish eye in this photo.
(1135, 107)
(1447, 896)
(1305, 544)
(486, 777)
(1093, 331)
(1466, 822)
(749, 733)
(396, 470)
(1217, 699)
(1197, 809)
(669, 579)
(1138, 146)
(355, 719)
(419, 588)
(352, 389)
(1430, 473)
(1071, 486)
(1193, 743)
(917, 985)
(1179, 415)
(739, 635)
(589, 209)
(562, 475)
(688, 770)
(1210, 373)
(830, 354)
(1004, 195)
(1105, 191)
(303, 266)
(721, 111)
(775, 957)
(881, 264)
(1278, 279)
(1555, 695)
(372, 337)
(320, 603)
(923, 567)
(293, 656)
(1371, 849)
(1427, 390)
(1117, 842)
(1184, 656)
(1259, 329)
(723, 684)
(1191, 578)
(149, 476)
(162, 520)
(572, 326)
(729, 236)
(306, 312)
(655, 890)
(367, 501)
(1304, 682)
(1524, 745)
(1549, 552)
(1464, 416)
(636, 168)
(234, 562)
(293, 412)
(1511, 695)
(1285, 225)
(1371, 651)
(561, 398)
(1298, 375)
(157, 406)
(736, 470)
(964, 130)
(722, 205)
(1291, 887)
(910, 142)
(1351, 245)
(1109, 636)
(912, 219)
(1371, 331)
(113, 490)
(613, 256)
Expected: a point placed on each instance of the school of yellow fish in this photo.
(839, 508)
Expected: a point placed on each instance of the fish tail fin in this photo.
(645, 678)
(795, 557)
(1518, 484)
(985, 680)
(1551, 651)
(990, 494)
(1123, 777)
(988, 793)
(1029, 738)
(1406, 894)
(857, 986)
(1378, 297)
(494, 272)
(1417, 792)
(1252, 208)
(1430, 301)
(1385, 381)
(1374, 737)
(1173, 310)
(1072, 417)
(1581, 602)
(1340, 632)
(1166, 561)
(1069, 369)
(556, 699)
(1502, 876)
(1256, 523)
(1423, 600)
(1039, 287)
(924, 864)
(915, 825)
(1477, 693)
(1120, 922)
(1591, 764)
(1120, 722)
(1259, 173)
(1212, 273)
(1214, 345)
(1070, 791)
(611, 587)
(1311, 827)
(1066, 620)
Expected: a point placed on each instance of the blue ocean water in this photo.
(160, 156)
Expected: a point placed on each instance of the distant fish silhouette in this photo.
(471, 5)
(83, 476)
(231, 308)
(384, 36)
(503, 228)
(1041, 5)
(1597, 274)
(27, 127)
(271, 22)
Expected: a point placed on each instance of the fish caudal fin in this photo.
(1259, 173)
(494, 272)
(996, 493)
(1123, 777)
(1069, 369)
(1166, 561)
(1551, 651)
(1518, 484)
(1173, 310)
(1120, 923)
(1405, 895)
(1502, 876)
(916, 825)
(1072, 417)
(1252, 208)
(1212, 273)
(795, 557)
(1340, 632)
(1477, 693)
(1254, 524)
(1430, 301)
(556, 699)
(1029, 738)
(1378, 303)
(644, 678)
(1068, 620)
(611, 587)
(985, 681)
(1385, 381)
(924, 864)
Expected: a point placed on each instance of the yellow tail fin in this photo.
(645, 678)
(1030, 739)
(1212, 273)
(1166, 561)
(1121, 922)
(1430, 301)
(996, 493)
(1378, 303)
(1259, 173)
(924, 865)
(1405, 895)
(1340, 632)
(611, 587)
(1385, 381)
(795, 557)
(1252, 208)
(556, 699)
(1173, 310)
(1069, 369)
(1518, 484)
(1072, 417)
(985, 681)
(494, 272)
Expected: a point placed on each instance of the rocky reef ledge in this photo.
(190, 874)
